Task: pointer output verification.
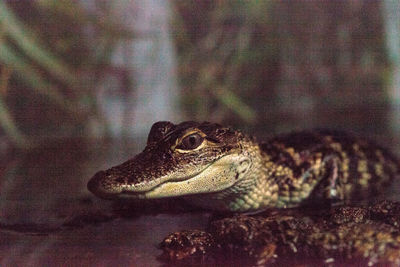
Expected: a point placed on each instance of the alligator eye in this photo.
(191, 142)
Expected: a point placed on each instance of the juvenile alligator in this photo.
(222, 169)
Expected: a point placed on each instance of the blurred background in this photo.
(109, 69)
(82, 81)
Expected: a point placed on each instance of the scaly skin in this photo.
(221, 169)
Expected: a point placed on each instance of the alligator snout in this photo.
(103, 185)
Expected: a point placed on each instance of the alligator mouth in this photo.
(126, 193)
(98, 186)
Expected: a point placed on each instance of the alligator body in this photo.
(218, 168)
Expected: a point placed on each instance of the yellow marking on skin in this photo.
(266, 202)
(284, 193)
(246, 206)
(348, 188)
(365, 177)
(336, 146)
(284, 198)
(266, 157)
(345, 165)
(296, 184)
(274, 197)
(318, 161)
(317, 165)
(356, 147)
(283, 171)
(358, 151)
(306, 187)
(362, 166)
(317, 171)
(266, 194)
(269, 165)
(379, 169)
(345, 177)
(295, 156)
(290, 150)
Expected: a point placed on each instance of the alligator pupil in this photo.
(192, 141)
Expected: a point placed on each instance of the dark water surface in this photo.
(47, 216)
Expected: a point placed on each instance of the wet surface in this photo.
(47, 216)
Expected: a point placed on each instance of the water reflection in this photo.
(44, 204)
(48, 217)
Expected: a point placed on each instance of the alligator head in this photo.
(189, 158)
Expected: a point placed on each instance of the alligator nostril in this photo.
(94, 182)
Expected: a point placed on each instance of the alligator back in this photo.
(363, 168)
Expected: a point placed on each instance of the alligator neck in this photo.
(253, 192)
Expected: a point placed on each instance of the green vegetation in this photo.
(239, 62)
(48, 65)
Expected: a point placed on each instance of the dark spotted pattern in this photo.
(363, 167)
